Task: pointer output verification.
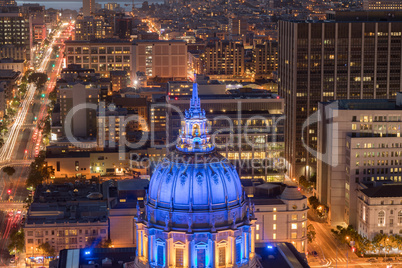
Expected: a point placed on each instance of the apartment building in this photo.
(66, 217)
(103, 55)
(160, 58)
(78, 107)
(356, 55)
(265, 59)
(358, 141)
(92, 27)
(224, 59)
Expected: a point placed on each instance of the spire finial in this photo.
(195, 104)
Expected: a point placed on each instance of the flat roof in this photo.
(385, 190)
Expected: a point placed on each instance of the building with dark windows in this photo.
(345, 58)
(88, 7)
(197, 214)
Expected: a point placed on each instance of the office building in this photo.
(14, 52)
(229, 115)
(160, 58)
(332, 60)
(102, 55)
(92, 27)
(76, 114)
(358, 142)
(224, 59)
(88, 7)
(16, 30)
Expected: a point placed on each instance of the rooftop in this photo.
(67, 203)
(96, 257)
(365, 104)
(385, 190)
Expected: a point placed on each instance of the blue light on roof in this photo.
(87, 252)
(270, 247)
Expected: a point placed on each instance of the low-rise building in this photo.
(281, 213)
(11, 64)
(379, 209)
(67, 217)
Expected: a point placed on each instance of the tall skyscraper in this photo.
(332, 60)
(88, 7)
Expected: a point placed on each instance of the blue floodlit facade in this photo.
(197, 214)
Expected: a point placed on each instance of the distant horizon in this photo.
(73, 4)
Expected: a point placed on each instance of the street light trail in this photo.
(9, 145)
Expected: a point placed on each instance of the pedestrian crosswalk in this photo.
(334, 260)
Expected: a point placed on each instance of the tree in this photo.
(16, 242)
(9, 170)
(311, 233)
(39, 171)
(47, 249)
(38, 78)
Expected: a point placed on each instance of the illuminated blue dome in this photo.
(179, 183)
(195, 206)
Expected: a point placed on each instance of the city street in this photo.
(22, 144)
(331, 253)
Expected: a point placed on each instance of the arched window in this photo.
(196, 130)
(400, 217)
(381, 218)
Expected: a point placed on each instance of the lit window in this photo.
(294, 217)
(258, 227)
(294, 235)
(258, 237)
(274, 217)
(274, 236)
(274, 209)
(294, 226)
(274, 226)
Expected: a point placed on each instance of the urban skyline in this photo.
(200, 133)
